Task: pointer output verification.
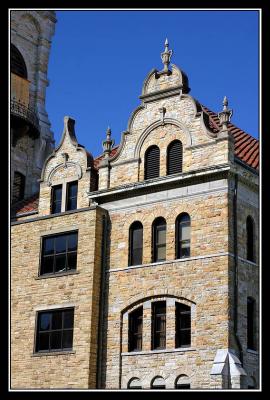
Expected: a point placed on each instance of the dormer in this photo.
(68, 174)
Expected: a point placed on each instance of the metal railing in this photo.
(26, 113)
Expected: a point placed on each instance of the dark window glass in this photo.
(159, 325)
(56, 199)
(152, 161)
(17, 64)
(55, 330)
(135, 330)
(183, 325)
(182, 386)
(159, 240)
(72, 189)
(135, 244)
(251, 323)
(18, 187)
(250, 239)
(59, 253)
(174, 157)
(182, 232)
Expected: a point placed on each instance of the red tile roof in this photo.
(26, 205)
(246, 147)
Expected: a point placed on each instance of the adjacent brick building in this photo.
(140, 269)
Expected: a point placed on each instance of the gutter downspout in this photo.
(102, 299)
(235, 242)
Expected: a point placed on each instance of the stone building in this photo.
(31, 139)
(140, 269)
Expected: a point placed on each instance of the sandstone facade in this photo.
(104, 290)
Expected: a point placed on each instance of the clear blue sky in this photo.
(99, 60)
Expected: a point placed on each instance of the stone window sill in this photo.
(54, 353)
(150, 352)
(57, 275)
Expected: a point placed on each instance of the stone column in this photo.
(170, 323)
(147, 317)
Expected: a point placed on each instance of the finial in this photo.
(108, 143)
(225, 115)
(225, 103)
(166, 56)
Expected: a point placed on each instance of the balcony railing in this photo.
(19, 110)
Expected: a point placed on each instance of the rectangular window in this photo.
(160, 243)
(135, 323)
(59, 253)
(159, 325)
(54, 330)
(56, 199)
(72, 190)
(183, 325)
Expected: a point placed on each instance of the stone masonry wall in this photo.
(30, 293)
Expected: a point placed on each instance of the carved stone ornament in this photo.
(66, 164)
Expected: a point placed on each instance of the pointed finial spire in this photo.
(166, 56)
(225, 115)
(108, 143)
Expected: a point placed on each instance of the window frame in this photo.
(53, 189)
(146, 162)
(250, 239)
(158, 223)
(154, 318)
(135, 335)
(186, 310)
(178, 241)
(169, 163)
(53, 236)
(131, 248)
(68, 197)
(21, 186)
(50, 331)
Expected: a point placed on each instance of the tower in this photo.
(31, 139)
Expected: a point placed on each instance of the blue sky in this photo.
(99, 60)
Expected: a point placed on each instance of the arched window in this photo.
(182, 382)
(251, 323)
(174, 157)
(18, 187)
(182, 233)
(159, 240)
(250, 239)
(182, 325)
(134, 383)
(135, 324)
(17, 64)
(158, 383)
(152, 161)
(135, 243)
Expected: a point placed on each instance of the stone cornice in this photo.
(159, 184)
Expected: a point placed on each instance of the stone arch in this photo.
(134, 383)
(155, 125)
(157, 382)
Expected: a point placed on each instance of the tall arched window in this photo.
(135, 243)
(250, 239)
(17, 64)
(135, 326)
(182, 233)
(18, 187)
(174, 157)
(159, 240)
(251, 323)
(152, 161)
